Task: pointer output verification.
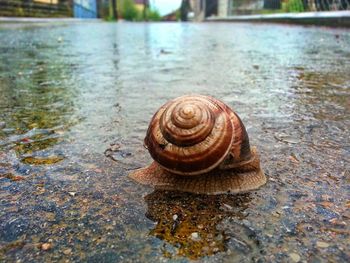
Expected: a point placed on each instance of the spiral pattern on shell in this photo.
(191, 134)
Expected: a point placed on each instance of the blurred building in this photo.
(207, 8)
(54, 8)
(85, 8)
(222, 8)
(171, 16)
(36, 8)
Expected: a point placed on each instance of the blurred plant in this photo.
(293, 6)
(270, 11)
(129, 10)
(152, 15)
(178, 15)
(19, 11)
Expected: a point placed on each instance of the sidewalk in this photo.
(329, 18)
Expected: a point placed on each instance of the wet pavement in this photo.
(74, 108)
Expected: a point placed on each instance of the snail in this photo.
(199, 145)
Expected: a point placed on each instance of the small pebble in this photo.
(322, 244)
(115, 147)
(67, 251)
(219, 237)
(90, 166)
(216, 249)
(2, 124)
(295, 257)
(195, 236)
(175, 217)
(72, 193)
(246, 222)
(228, 206)
(46, 246)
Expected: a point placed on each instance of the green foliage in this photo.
(178, 15)
(129, 10)
(153, 15)
(109, 18)
(19, 12)
(293, 6)
(270, 11)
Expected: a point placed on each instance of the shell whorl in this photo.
(187, 122)
(191, 134)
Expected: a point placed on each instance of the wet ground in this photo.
(74, 108)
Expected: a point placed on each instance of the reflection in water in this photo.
(328, 88)
(37, 101)
(191, 223)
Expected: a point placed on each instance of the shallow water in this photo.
(70, 93)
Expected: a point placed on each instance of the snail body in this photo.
(199, 145)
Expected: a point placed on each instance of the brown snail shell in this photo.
(199, 145)
(190, 135)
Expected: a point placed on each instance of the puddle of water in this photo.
(73, 114)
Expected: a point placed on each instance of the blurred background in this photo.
(156, 10)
